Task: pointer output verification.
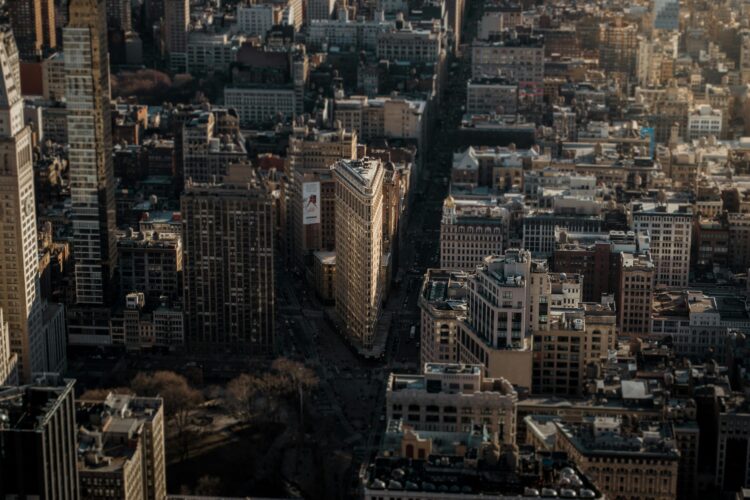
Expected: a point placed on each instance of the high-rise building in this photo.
(135, 470)
(495, 332)
(38, 437)
(26, 21)
(359, 248)
(228, 241)
(635, 294)
(176, 27)
(670, 226)
(19, 283)
(90, 154)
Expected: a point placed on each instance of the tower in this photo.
(39, 440)
(228, 263)
(90, 156)
(19, 283)
(359, 247)
(176, 26)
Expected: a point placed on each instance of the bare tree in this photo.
(179, 399)
(100, 394)
(299, 378)
(242, 395)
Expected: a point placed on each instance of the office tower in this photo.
(133, 471)
(311, 155)
(26, 21)
(19, 287)
(442, 301)
(431, 402)
(494, 333)
(228, 234)
(176, 26)
(635, 294)
(90, 136)
(670, 227)
(359, 248)
(38, 436)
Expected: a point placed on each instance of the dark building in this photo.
(598, 264)
(38, 440)
(228, 260)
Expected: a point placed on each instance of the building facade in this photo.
(228, 259)
(670, 226)
(359, 248)
(43, 426)
(453, 398)
(442, 301)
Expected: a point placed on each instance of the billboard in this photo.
(311, 203)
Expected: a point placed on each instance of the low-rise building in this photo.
(622, 462)
(141, 325)
(121, 447)
(453, 398)
(488, 96)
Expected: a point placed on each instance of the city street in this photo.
(353, 388)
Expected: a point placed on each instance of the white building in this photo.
(409, 44)
(209, 52)
(670, 227)
(262, 103)
(704, 121)
(345, 34)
